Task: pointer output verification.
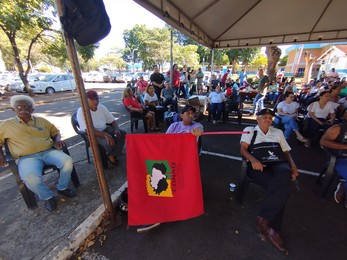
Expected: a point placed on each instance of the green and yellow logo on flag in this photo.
(158, 178)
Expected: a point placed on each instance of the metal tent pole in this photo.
(70, 46)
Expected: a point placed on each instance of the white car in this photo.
(19, 86)
(54, 83)
(94, 77)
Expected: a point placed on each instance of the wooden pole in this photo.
(70, 46)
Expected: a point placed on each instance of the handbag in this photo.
(266, 152)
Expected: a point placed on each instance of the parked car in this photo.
(106, 78)
(94, 77)
(4, 85)
(130, 77)
(54, 83)
(145, 75)
(19, 86)
(118, 78)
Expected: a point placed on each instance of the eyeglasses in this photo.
(24, 107)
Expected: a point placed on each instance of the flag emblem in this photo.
(158, 178)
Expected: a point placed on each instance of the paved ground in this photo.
(313, 228)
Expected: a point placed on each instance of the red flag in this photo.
(163, 178)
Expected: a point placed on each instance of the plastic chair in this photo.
(328, 172)
(135, 117)
(28, 196)
(244, 181)
(84, 136)
(234, 106)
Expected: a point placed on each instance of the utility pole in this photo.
(133, 58)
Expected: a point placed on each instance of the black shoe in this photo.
(67, 193)
(51, 204)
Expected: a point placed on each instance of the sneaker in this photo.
(301, 139)
(339, 193)
(214, 122)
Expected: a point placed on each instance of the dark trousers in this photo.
(119, 142)
(216, 110)
(276, 180)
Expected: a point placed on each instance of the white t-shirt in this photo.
(322, 113)
(273, 135)
(217, 97)
(100, 117)
(149, 98)
(288, 108)
(343, 101)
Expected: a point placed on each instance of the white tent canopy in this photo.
(248, 23)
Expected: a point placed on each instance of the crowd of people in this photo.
(314, 112)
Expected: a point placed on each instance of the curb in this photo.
(66, 248)
(55, 99)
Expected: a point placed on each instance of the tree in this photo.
(273, 54)
(245, 55)
(186, 55)
(112, 60)
(25, 20)
(259, 61)
(309, 60)
(234, 57)
(27, 25)
(151, 45)
(283, 61)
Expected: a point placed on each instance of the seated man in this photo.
(168, 97)
(333, 140)
(34, 142)
(106, 128)
(187, 125)
(274, 177)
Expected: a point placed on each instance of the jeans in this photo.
(187, 89)
(341, 169)
(30, 170)
(216, 110)
(276, 180)
(258, 103)
(273, 96)
(289, 124)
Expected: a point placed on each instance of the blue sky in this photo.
(124, 14)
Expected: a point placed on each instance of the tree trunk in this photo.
(273, 54)
(22, 75)
(234, 67)
(308, 66)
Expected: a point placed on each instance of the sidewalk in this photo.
(46, 98)
(33, 234)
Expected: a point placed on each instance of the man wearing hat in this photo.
(106, 128)
(187, 125)
(275, 177)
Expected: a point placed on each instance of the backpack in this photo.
(171, 117)
(85, 20)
